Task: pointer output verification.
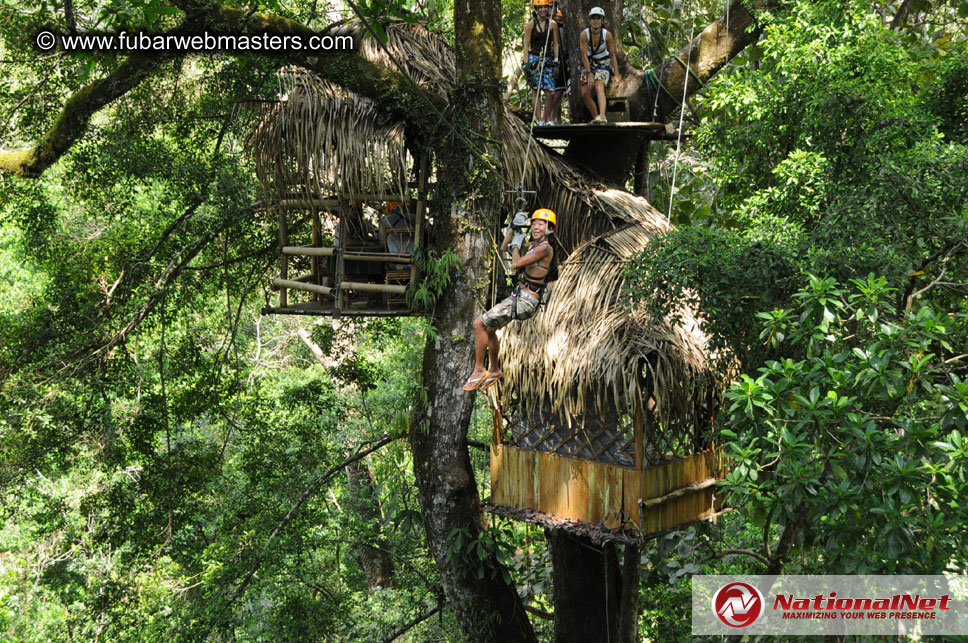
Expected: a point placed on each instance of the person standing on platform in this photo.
(541, 49)
(598, 57)
(562, 75)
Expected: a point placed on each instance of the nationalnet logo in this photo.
(818, 605)
(738, 604)
(898, 606)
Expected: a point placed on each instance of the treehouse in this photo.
(605, 428)
(602, 422)
(349, 198)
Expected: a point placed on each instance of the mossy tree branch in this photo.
(387, 87)
(75, 115)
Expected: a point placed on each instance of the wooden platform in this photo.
(655, 131)
(641, 501)
(328, 309)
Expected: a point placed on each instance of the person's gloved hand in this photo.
(517, 241)
(520, 221)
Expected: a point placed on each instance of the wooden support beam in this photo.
(298, 285)
(308, 251)
(374, 256)
(348, 255)
(678, 493)
(319, 204)
(368, 287)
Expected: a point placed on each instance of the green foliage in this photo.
(715, 273)
(473, 554)
(830, 158)
(858, 448)
(435, 271)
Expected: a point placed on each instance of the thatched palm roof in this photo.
(587, 342)
(589, 345)
(323, 140)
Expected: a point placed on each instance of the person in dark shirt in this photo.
(541, 49)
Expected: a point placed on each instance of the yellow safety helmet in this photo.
(390, 207)
(545, 215)
(542, 3)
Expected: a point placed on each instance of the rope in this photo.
(534, 103)
(687, 67)
(682, 116)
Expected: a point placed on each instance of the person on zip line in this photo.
(535, 268)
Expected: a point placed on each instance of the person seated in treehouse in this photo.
(535, 267)
(541, 48)
(396, 232)
(598, 57)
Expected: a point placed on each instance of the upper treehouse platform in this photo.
(651, 131)
(619, 124)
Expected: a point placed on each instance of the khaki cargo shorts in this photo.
(520, 305)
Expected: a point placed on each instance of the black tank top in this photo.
(539, 37)
(533, 282)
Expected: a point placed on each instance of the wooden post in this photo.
(638, 434)
(317, 235)
(641, 174)
(283, 242)
(340, 265)
(421, 202)
(496, 419)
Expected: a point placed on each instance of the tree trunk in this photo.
(596, 598)
(628, 629)
(487, 607)
(375, 559)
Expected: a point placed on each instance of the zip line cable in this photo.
(537, 98)
(682, 115)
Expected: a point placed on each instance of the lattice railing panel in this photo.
(607, 437)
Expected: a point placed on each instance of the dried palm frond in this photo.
(589, 344)
(321, 140)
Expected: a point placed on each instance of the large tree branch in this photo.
(76, 114)
(705, 56)
(679, 76)
(387, 87)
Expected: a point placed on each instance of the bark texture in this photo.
(487, 607)
(581, 589)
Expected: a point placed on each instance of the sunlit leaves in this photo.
(854, 446)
